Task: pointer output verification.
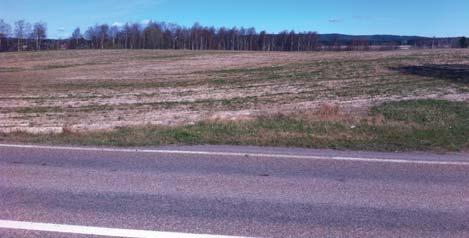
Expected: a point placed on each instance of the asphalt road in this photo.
(281, 193)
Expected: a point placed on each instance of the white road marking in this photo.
(100, 231)
(208, 153)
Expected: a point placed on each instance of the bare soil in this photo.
(56, 91)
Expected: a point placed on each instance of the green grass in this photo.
(10, 69)
(38, 109)
(434, 125)
(47, 67)
(164, 57)
(436, 113)
(64, 66)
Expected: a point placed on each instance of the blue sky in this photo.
(401, 17)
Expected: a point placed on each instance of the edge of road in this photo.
(425, 158)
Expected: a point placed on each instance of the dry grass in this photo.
(407, 125)
(103, 90)
(329, 112)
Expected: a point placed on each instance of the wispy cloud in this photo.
(335, 20)
(369, 18)
(362, 18)
(61, 33)
(359, 18)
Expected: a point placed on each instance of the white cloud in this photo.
(146, 21)
(118, 24)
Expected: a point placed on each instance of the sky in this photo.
(438, 18)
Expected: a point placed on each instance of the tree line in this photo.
(161, 35)
(22, 36)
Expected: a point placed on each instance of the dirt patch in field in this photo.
(102, 90)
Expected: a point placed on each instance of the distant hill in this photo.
(374, 39)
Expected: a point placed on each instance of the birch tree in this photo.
(76, 37)
(39, 33)
(22, 29)
(5, 31)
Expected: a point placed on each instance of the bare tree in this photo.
(103, 34)
(91, 36)
(126, 35)
(5, 31)
(39, 33)
(152, 36)
(76, 37)
(22, 30)
(161, 35)
(113, 33)
(135, 36)
(463, 42)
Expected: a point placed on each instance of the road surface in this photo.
(231, 191)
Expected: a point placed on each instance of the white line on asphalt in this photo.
(100, 231)
(208, 153)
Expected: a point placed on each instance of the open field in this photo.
(161, 97)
